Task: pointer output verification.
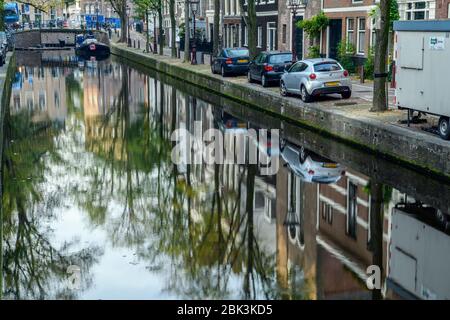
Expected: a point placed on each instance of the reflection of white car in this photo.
(309, 166)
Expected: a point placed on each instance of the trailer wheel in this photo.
(444, 128)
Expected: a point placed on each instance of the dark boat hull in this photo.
(93, 50)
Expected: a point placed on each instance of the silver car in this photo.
(314, 77)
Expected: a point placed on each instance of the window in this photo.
(245, 36)
(283, 35)
(361, 35)
(351, 31)
(326, 67)
(351, 209)
(260, 32)
(373, 39)
(271, 36)
(417, 10)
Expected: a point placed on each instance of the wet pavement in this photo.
(95, 207)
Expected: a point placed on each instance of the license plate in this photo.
(330, 165)
(242, 61)
(332, 84)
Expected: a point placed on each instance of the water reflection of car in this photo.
(310, 166)
(229, 124)
(3, 47)
(231, 61)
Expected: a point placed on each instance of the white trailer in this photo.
(422, 69)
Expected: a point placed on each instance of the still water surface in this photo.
(89, 186)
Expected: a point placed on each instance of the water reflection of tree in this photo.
(32, 266)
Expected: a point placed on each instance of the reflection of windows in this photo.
(294, 221)
(351, 209)
(57, 102)
(30, 101)
(16, 101)
(42, 100)
(327, 212)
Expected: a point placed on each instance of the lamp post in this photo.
(194, 9)
(294, 6)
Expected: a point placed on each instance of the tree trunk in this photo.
(147, 44)
(250, 21)
(380, 63)
(123, 23)
(376, 231)
(160, 30)
(173, 28)
(187, 57)
(216, 27)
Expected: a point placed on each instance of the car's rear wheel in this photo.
(264, 81)
(346, 94)
(249, 77)
(223, 72)
(283, 89)
(305, 96)
(212, 69)
(444, 128)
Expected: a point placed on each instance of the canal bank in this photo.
(352, 124)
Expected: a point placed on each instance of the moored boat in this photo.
(90, 47)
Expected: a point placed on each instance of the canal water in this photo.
(95, 206)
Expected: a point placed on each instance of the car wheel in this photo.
(444, 128)
(346, 94)
(224, 74)
(306, 97)
(283, 89)
(212, 69)
(249, 77)
(264, 81)
(443, 220)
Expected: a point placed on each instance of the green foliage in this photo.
(314, 52)
(369, 65)
(346, 50)
(314, 25)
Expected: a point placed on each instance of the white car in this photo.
(310, 166)
(314, 77)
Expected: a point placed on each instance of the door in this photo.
(252, 66)
(289, 79)
(335, 37)
(298, 39)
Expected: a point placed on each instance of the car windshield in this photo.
(237, 53)
(326, 67)
(280, 58)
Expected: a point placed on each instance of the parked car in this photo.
(268, 67)
(310, 166)
(231, 61)
(314, 77)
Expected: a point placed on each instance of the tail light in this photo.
(268, 68)
(312, 76)
(345, 73)
(229, 61)
(311, 172)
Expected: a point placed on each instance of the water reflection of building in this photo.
(112, 102)
(40, 91)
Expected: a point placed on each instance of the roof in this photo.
(316, 60)
(422, 25)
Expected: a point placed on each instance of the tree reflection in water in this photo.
(193, 226)
(32, 267)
